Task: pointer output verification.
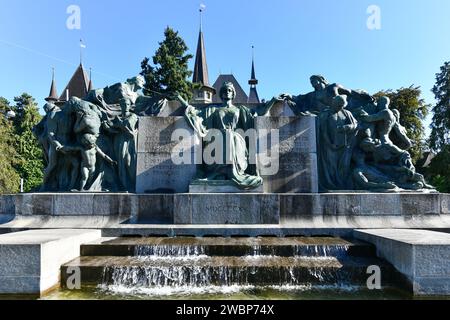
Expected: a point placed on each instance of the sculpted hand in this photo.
(59, 146)
(390, 185)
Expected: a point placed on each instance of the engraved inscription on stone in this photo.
(156, 171)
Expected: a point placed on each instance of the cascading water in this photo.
(175, 269)
(321, 251)
(168, 250)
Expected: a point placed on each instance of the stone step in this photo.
(30, 260)
(212, 246)
(203, 271)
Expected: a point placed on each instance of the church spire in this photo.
(201, 67)
(91, 85)
(53, 95)
(253, 96)
(205, 93)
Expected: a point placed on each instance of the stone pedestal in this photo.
(30, 261)
(295, 143)
(351, 210)
(156, 172)
(233, 209)
(203, 186)
(421, 255)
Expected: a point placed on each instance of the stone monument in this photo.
(227, 163)
(133, 165)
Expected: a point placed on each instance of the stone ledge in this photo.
(256, 208)
(30, 260)
(422, 256)
(218, 186)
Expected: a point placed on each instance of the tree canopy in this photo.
(9, 178)
(440, 126)
(169, 72)
(31, 165)
(24, 154)
(439, 141)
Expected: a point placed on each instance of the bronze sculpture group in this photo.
(90, 143)
(354, 144)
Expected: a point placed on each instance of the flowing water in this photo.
(228, 293)
(229, 268)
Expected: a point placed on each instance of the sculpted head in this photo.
(318, 82)
(125, 106)
(339, 102)
(49, 107)
(383, 103)
(227, 92)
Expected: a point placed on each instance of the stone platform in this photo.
(225, 214)
(423, 256)
(30, 261)
(200, 186)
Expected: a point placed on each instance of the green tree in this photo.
(413, 110)
(169, 72)
(439, 170)
(30, 164)
(9, 179)
(440, 126)
(4, 105)
(438, 173)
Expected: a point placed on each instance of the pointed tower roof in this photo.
(253, 95)
(78, 84)
(201, 66)
(53, 95)
(91, 85)
(253, 79)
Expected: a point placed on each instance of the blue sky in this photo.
(293, 39)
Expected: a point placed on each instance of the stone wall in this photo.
(295, 170)
(156, 172)
(297, 154)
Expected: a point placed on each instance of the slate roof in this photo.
(241, 96)
(78, 84)
(253, 96)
